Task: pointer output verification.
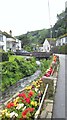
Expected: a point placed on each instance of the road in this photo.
(59, 110)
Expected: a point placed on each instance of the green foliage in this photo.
(12, 57)
(15, 70)
(50, 91)
(45, 65)
(10, 52)
(60, 27)
(33, 37)
(60, 49)
(4, 56)
(37, 37)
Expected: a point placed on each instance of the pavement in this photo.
(59, 102)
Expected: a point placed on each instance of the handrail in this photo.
(39, 109)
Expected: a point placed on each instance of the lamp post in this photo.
(51, 31)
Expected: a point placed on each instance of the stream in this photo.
(18, 86)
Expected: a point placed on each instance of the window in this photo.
(1, 38)
(1, 47)
(66, 40)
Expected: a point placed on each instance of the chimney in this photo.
(10, 32)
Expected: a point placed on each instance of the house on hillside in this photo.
(8, 42)
(62, 40)
(48, 44)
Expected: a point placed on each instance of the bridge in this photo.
(39, 55)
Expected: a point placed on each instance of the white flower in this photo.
(24, 108)
(13, 114)
(19, 106)
(36, 89)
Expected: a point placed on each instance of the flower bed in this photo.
(53, 68)
(27, 104)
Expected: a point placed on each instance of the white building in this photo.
(62, 40)
(2, 41)
(8, 42)
(47, 45)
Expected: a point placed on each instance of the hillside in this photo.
(33, 38)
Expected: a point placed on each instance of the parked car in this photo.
(20, 52)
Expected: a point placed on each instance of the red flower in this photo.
(31, 109)
(47, 74)
(27, 100)
(9, 105)
(23, 101)
(24, 113)
(22, 95)
(30, 93)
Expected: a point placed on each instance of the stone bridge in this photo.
(45, 55)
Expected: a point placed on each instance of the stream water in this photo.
(18, 86)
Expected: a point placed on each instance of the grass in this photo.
(12, 57)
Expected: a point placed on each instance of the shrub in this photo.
(11, 52)
(60, 49)
(4, 56)
(15, 70)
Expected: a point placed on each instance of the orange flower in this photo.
(9, 105)
(31, 93)
(54, 58)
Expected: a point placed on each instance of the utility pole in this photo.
(50, 20)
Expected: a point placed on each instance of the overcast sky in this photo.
(21, 16)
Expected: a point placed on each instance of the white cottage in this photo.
(2, 41)
(61, 40)
(46, 46)
(8, 42)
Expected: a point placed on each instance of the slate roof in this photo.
(8, 35)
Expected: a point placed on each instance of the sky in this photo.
(22, 16)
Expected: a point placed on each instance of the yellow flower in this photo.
(28, 88)
(32, 103)
(40, 81)
(17, 99)
(8, 115)
(4, 111)
(34, 83)
(35, 103)
(15, 103)
(37, 86)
